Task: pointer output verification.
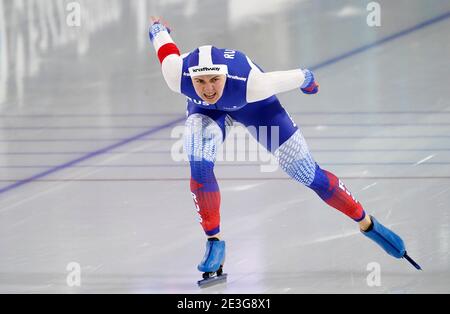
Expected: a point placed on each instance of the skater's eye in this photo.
(199, 81)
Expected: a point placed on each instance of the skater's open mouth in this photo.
(210, 96)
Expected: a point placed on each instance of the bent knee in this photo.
(202, 138)
(296, 160)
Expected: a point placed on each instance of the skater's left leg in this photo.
(295, 159)
(292, 153)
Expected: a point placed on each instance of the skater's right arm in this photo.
(168, 54)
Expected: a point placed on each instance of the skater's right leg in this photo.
(204, 133)
(202, 138)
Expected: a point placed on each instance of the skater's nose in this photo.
(209, 87)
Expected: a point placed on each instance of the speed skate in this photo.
(212, 278)
(212, 263)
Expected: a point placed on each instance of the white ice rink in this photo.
(89, 131)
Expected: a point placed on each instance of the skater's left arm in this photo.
(263, 85)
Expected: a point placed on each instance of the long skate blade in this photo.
(212, 281)
(409, 259)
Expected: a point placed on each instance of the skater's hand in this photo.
(158, 25)
(310, 85)
(159, 19)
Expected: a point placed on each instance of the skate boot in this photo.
(212, 263)
(388, 240)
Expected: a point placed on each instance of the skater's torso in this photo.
(234, 96)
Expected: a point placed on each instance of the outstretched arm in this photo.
(168, 53)
(263, 85)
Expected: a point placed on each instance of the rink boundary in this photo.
(229, 164)
(149, 114)
(95, 153)
(310, 137)
(146, 127)
(382, 41)
(150, 152)
(229, 179)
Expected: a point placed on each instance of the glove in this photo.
(310, 85)
(156, 28)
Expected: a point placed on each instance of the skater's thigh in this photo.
(205, 131)
(208, 117)
(268, 121)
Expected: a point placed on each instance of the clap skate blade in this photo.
(212, 278)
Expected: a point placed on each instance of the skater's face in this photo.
(209, 87)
